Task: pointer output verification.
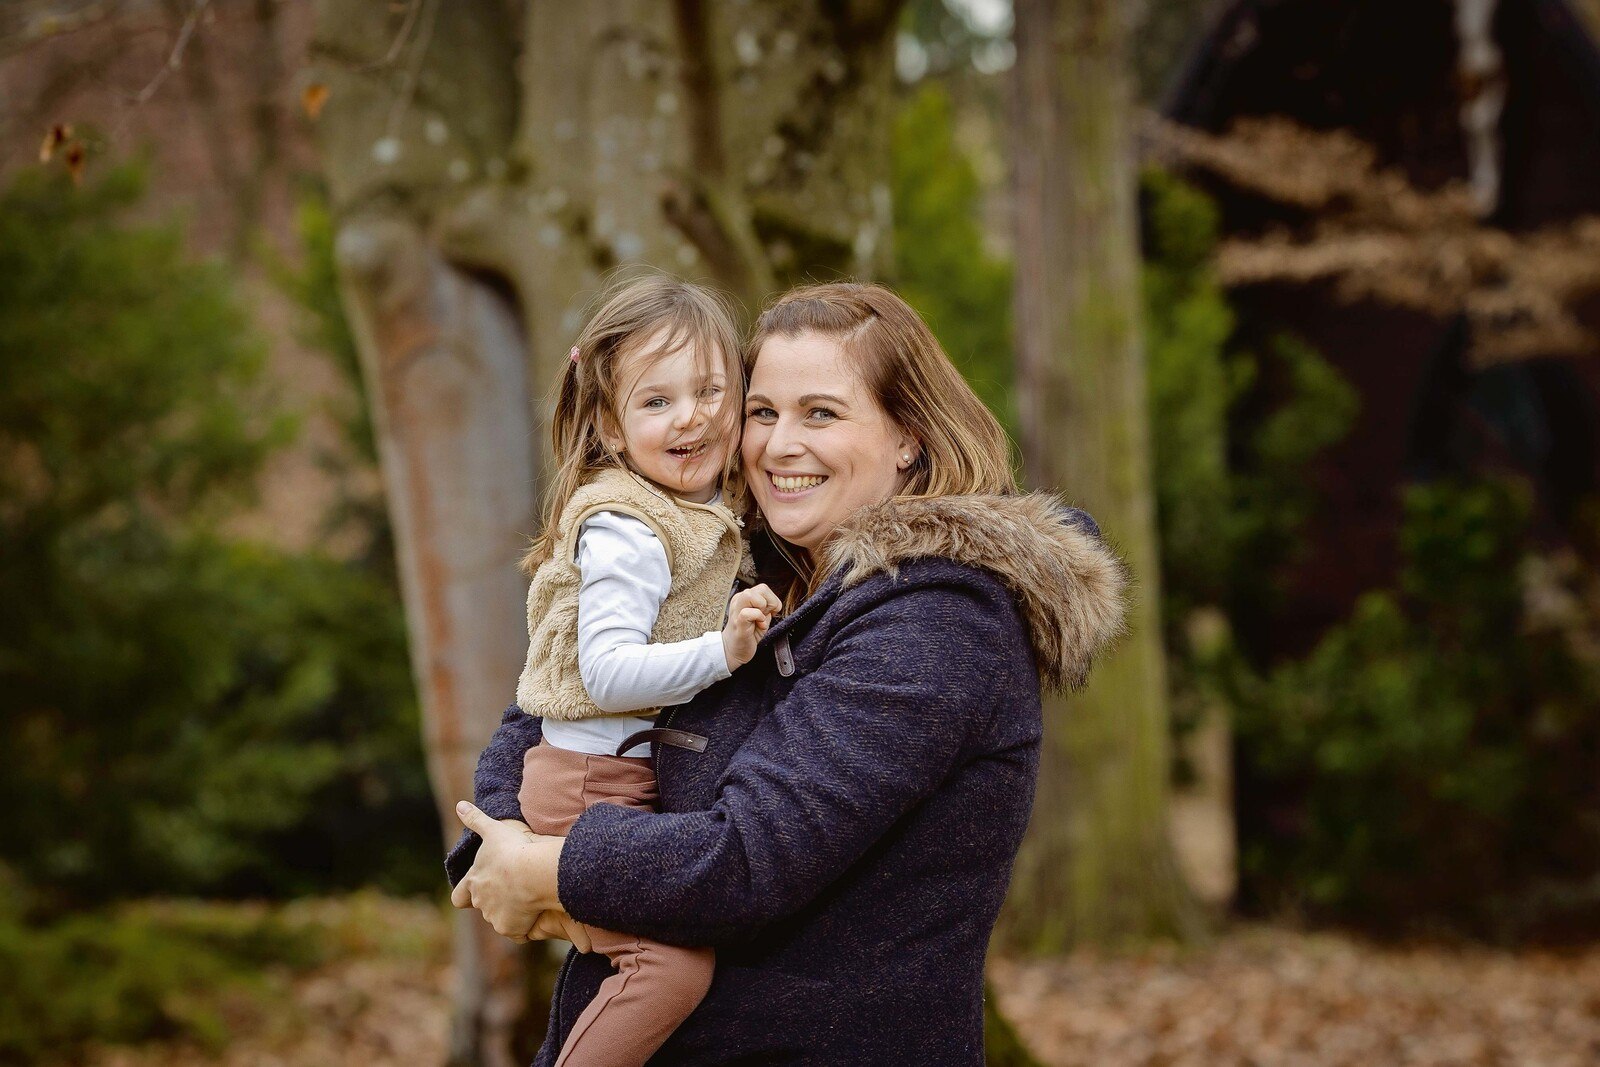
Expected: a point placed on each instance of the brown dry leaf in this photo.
(75, 157)
(54, 138)
(312, 97)
(1373, 236)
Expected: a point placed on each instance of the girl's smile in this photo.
(670, 426)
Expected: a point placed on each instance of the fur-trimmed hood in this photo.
(1070, 587)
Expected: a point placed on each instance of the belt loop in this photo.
(784, 655)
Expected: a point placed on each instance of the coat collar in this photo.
(1070, 587)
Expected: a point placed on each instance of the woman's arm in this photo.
(496, 783)
(855, 744)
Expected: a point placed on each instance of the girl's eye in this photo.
(761, 414)
(656, 403)
(710, 391)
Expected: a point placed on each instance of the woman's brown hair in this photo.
(962, 447)
(670, 314)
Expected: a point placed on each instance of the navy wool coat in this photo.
(846, 837)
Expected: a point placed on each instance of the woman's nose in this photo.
(784, 440)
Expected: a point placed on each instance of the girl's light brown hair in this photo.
(668, 314)
(962, 447)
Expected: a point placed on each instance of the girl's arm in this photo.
(625, 581)
(853, 746)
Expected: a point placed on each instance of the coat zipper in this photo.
(655, 762)
(561, 981)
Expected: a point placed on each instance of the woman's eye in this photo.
(763, 414)
(822, 414)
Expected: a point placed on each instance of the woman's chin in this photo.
(791, 527)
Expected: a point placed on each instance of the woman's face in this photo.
(817, 445)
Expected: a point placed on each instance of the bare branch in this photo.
(175, 57)
(413, 9)
(408, 88)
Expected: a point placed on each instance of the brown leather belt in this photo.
(663, 735)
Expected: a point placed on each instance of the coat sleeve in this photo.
(496, 784)
(855, 744)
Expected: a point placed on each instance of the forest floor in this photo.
(1259, 995)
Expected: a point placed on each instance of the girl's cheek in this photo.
(752, 444)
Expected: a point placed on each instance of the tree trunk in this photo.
(489, 162)
(1097, 866)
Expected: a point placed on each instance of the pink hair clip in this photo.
(573, 355)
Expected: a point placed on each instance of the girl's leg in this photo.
(655, 986)
(654, 989)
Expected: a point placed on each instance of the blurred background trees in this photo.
(1370, 392)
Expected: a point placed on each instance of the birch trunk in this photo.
(1097, 866)
(489, 162)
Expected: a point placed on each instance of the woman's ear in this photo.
(907, 450)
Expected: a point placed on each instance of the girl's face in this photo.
(817, 445)
(667, 428)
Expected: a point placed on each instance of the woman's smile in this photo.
(817, 444)
(790, 486)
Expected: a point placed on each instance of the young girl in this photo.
(631, 580)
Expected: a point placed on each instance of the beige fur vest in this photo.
(703, 552)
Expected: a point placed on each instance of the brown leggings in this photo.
(655, 986)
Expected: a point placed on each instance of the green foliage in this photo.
(358, 512)
(175, 970)
(1232, 434)
(941, 265)
(132, 974)
(1434, 756)
(181, 711)
(1194, 384)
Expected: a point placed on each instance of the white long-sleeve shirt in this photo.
(625, 580)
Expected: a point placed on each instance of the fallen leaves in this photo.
(1258, 997)
(1264, 996)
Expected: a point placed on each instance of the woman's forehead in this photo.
(805, 363)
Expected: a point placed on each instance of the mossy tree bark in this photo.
(1097, 866)
(489, 161)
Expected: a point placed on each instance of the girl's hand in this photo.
(559, 926)
(513, 879)
(750, 612)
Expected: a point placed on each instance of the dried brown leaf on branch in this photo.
(1372, 235)
(312, 98)
(75, 158)
(54, 138)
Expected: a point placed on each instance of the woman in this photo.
(839, 818)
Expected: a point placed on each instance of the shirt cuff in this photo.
(716, 656)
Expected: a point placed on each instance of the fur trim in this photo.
(1070, 587)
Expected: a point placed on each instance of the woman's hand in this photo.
(512, 882)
